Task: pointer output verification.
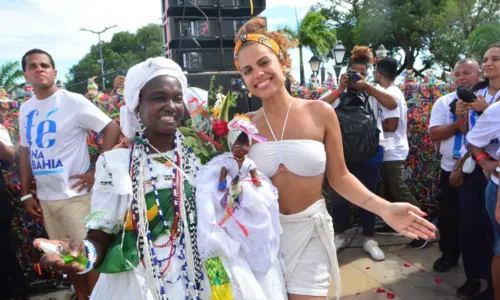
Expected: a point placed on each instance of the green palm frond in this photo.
(291, 34)
(10, 74)
(317, 34)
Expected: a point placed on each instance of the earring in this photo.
(249, 95)
(141, 126)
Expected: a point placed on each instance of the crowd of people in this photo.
(152, 222)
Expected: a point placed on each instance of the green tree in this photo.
(435, 31)
(10, 73)
(123, 51)
(315, 33)
(481, 38)
(455, 26)
(398, 25)
(344, 15)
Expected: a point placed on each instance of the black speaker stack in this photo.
(199, 34)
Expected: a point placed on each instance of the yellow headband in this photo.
(257, 38)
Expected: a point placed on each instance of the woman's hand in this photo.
(123, 144)
(489, 166)
(344, 81)
(479, 105)
(407, 219)
(55, 261)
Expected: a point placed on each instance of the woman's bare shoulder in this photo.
(318, 108)
(252, 114)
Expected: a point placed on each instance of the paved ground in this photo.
(405, 273)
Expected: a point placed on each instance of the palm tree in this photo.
(10, 73)
(315, 33)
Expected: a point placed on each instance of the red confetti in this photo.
(421, 271)
(438, 281)
(357, 294)
(390, 295)
(407, 264)
(368, 268)
(380, 291)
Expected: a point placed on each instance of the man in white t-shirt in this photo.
(445, 128)
(53, 126)
(394, 124)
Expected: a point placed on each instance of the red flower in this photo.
(219, 128)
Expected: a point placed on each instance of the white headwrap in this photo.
(136, 79)
(239, 125)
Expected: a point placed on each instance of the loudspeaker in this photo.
(194, 27)
(241, 8)
(196, 59)
(179, 8)
(199, 34)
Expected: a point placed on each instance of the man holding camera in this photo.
(358, 105)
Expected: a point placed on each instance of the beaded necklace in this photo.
(240, 159)
(192, 268)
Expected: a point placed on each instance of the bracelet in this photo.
(482, 155)
(91, 255)
(256, 179)
(26, 197)
(462, 122)
(334, 92)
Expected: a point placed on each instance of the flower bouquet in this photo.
(205, 132)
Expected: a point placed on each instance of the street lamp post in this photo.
(315, 62)
(323, 74)
(338, 53)
(101, 60)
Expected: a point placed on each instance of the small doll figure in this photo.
(239, 213)
(238, 164)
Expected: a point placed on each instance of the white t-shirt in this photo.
(401, 148)
(387, 143)
(55, 131)
(440, 116)
(5, 137)
(473, 117)
(487, 129)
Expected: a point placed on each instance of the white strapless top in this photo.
(305, 158)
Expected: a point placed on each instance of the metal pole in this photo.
(101, 60)
(337, 69)
(322, 75)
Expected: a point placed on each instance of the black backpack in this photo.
(358, 124)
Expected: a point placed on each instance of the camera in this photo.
(353, 76)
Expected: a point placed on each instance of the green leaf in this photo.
(196, 151)
(204, 151)
(224, 112)
(186, 131)
(190, 141)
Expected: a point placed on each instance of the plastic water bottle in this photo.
(63, 252)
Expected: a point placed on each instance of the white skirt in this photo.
(309, 253)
